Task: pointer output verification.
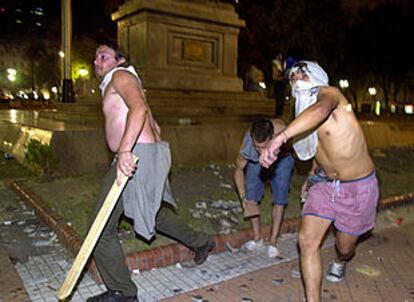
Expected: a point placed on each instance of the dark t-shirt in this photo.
(248, 151)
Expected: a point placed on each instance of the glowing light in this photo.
(409, 109)
(11, 71)
(61, 54)
(262, 84)
(372, 91)
(54, 89)
(11, 77)
(13, 115)
(377, 107)
(46, 94)
(83, 72)
(343, 83)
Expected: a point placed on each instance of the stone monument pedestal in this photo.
(186, 54)
(181, 45)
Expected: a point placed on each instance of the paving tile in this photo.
(232, 276)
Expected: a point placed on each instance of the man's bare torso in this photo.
(116, 111)
(342, 151)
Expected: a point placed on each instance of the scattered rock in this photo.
(231, 249)
(197, 298)
(225, 231)
(295, 274)
(277, 281)
(201, 205)
(226, 186)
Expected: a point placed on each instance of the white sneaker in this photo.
(252, 245)
(272, 251)
(336, 272)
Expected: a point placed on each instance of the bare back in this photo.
(342, 151)
(116, 113)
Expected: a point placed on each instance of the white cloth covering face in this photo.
(306, 94)
(108, 77)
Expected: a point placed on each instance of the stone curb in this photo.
(165, 255)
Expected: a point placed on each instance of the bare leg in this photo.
(345, 246)
(311, 234)
(255, 222)
(277, 217)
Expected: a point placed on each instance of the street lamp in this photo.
(343, 83)
(372, 92)
(83, 72)
(11, 71)
(11, 76)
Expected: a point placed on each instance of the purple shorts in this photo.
(351, 205)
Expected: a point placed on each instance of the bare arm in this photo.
(125, 84)
(315, 115)
(309, 119)
(313, 167)
(239, 176)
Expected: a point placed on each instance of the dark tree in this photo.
(313, 30)
(379, 48)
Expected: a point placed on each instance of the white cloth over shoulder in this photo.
(306, 95)
(108, 77)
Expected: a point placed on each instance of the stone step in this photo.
(177, 107)
(181, 99)
(163, 118)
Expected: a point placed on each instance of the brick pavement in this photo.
(388, 253)
(232, 277)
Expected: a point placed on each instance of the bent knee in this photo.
(345, 251)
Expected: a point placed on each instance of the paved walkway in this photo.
(229, 276)
(382, 270)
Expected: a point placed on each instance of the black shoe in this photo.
(112, 296)
(201, 253)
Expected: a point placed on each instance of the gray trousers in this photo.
(108, 253)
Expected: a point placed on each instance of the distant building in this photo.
(22, 14)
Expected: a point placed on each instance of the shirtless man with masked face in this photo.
(344, 188)
(131, 129)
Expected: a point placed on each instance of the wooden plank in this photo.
(92, 238)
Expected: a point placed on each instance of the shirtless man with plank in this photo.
(131, 129)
